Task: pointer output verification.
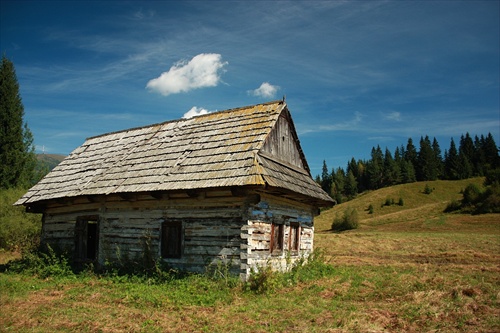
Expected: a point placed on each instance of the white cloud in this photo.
(347, 125)
(265, 90)
(396, 116)
(201, 71)
(195, 111)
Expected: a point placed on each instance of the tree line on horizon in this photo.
(473, 158)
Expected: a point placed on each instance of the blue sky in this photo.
(355, 74)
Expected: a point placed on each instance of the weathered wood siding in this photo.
(257, 250)
(282, 143)
(217, 228)
(130, 230)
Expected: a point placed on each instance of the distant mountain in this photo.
(48, 161)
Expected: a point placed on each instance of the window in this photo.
(277, 234)
(171, 239)
(294, 237)
(86, 238)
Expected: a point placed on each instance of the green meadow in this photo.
(407, 267)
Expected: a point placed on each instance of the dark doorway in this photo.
(86, 238)
(171, 239)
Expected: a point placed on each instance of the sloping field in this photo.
(417, 207)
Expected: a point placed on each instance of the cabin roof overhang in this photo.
(251, 192)
(225, 149)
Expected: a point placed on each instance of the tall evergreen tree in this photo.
(392, 173)
(490, 151)
(438, 159)
(406, 168)
(467, 152)
(326, 181)
(350, 186)
(17, 157)
(353, 167)
(452, 163)
(407, 172)
(426, 161)
(358, 170)
(411, 154)
(375, 169)
(465, 168)
(338, 179)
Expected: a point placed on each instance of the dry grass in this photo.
(410, 268)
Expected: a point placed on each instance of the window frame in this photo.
(294, 237)
(277, 238)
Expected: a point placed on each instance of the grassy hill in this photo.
(418, 207)
(50, 161)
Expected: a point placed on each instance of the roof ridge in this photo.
(184, 119)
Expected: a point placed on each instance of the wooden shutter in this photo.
(277, 233)
(294, 237)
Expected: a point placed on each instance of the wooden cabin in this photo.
(230, 186)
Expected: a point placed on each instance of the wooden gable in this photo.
(282, 143)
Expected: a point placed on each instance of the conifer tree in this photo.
(392, 173)
(410, 153)
(480, 164)
(465, 168)
(438, 159)
(326, 181)
(466, 152)
(338, 179)
(353, 167)
(350, 186)
(17, 157)
(375, 169)
(426, 163)
(490, 151)
(452, 163)
(358, 170)
(407, 172)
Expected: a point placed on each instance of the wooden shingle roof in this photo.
(221, 149)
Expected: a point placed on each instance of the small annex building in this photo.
(230, 186)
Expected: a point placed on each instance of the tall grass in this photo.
(18, 230)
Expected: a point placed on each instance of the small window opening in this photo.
(277, 235)
(171, 239)
(294, 237)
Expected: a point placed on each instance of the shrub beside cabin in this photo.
(231, 186)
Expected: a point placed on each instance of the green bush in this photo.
(349, 220)
(428, 189)
(265, 280)
(18, 230)
(472, 195)
(477, 200)
(43, 264)
(453, 206)
(389, 202)
(490, 202)
(492, 177)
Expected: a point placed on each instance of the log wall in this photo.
(217, 227)
(257, 231)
